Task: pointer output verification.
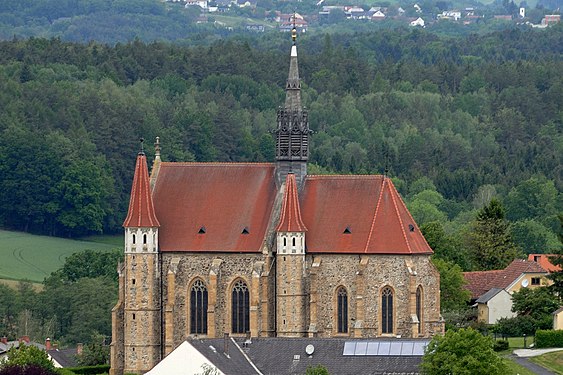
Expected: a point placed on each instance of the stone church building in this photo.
(265, 250)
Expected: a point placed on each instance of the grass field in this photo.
(29, 257)
(552, 361)
(515, 369)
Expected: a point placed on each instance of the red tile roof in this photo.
(141, 211)
(208, 206)
(358, 214)
(290, 218)
(479, 282)
(544, 261)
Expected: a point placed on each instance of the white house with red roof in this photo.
(265, 250)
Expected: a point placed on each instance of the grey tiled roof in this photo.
(64, 357)
(287, 356)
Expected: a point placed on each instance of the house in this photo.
(544, 260)
(255, 28)
(558, 318)
(551, 19)
(452, 15)
(494, 305)
(288, 356)
(6, 345)
(200, 3)
(417, 22)
(270, 254)
(486, 286)
(378, 16)
(355, 13)
(63, 357)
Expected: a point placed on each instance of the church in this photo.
(266, 250)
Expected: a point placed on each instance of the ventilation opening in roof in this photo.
(201, 230)
(411, 227)
(347, 230)
(245, 231)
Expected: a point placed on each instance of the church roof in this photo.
(141, 211)
(358, 214)
(290, 219)
(214, 206)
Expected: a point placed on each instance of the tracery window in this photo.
(342, 310)
(419, 308)
(240, 308)
(387, 310)
(198, 308)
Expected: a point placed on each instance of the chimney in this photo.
(226, 343)
(79, 348)
(4, 340)
(47, 344)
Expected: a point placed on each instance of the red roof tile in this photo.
(221, 199)
(141, 211)
(544, 261)
(358, 214)
(479, 282)
(290, 218)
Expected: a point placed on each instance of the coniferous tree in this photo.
(557, 259)
(490, 242)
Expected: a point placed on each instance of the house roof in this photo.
(358, 214)
(544, 261)
(283, 356)
(64, 357)
(208, 206)
(489, 295)
(290, 218)
(141, 209)
(479, 282)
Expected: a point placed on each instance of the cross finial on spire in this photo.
(157, 147)
(142, 152)
(294, 29)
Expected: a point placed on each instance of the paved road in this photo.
(534, 352)
(537, 369)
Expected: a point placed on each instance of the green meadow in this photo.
(29, 257)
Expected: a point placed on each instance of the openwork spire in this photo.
(292, 133)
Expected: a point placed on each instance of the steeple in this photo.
(290, 218)
(292, 133)
(141, 209)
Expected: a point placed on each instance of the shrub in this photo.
(25, 370)
(90, 370)
(500, 345)
(549, 338)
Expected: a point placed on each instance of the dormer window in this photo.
(245, 231)
(202, 230)
(411, 228)
(347, 230)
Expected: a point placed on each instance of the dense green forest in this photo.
(456, 121)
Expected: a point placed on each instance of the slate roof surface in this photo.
(278, 356)
(214, 350)
(64, 357)
(141, 210)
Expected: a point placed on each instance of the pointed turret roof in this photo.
(141, 209)
(293, 84)
(290, 218)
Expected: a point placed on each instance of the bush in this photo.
(500, 345)
(517, 326)
(549, 338)
(90, 370)
(25, 370)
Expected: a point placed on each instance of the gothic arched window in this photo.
(342, 310)
(198, 308)
(387, 310)
(419, 308)
(240, 308)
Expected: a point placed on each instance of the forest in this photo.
(455, 121)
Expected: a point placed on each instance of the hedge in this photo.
(549, 338)
(86, 370)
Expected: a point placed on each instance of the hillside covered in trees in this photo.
(455, 121)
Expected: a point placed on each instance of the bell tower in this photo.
(141, 278)
(292, 132)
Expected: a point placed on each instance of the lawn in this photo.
(29, 257)
(515, 369)
(552, 361)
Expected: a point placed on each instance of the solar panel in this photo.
(349, 348)
(385, 347)
(361, 348)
